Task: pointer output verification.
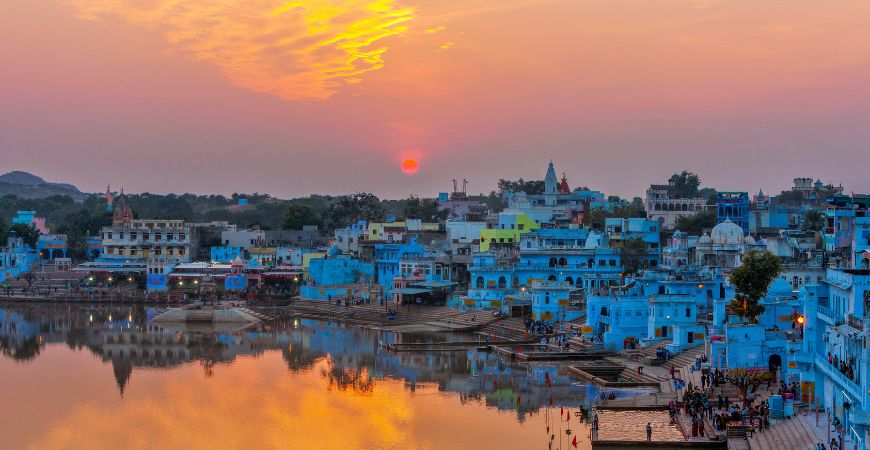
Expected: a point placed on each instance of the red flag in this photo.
(551, 401)
(568, 419)
(574, 441)
(561, 411)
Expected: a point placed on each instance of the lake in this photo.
(77, 376)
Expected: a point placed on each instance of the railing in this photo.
(834, 373)
(855, 322)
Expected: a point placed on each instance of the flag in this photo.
(574, 441)
(568, 416)
(551, 401)
(561, 411)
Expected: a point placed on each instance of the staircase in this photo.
(793, 434)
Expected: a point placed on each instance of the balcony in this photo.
(855, 322)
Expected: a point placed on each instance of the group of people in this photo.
(538, 327)
(699, 403)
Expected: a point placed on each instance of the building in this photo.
(128, 238)
(551, 302)
(16, 258)
(458, 206)
(506, 230)
(335, 276)
(664, 206)
(556, 205)
(29, 218)
(733, 207)
(621, 230)
(347, 239)
(723, 248)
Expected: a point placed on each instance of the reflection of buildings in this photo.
(349, 357)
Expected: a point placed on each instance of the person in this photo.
(648, 431)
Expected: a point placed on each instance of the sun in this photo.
(410, 166)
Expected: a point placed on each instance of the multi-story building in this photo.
(665, 207)
(138, 239)
(506, 231)
(621, 230)
(16, 258)
(734, 207)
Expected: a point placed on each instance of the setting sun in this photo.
(410, 166)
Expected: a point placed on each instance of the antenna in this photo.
(464, 185)
(454, 185)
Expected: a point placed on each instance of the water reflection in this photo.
(329, 363)
(352, 356)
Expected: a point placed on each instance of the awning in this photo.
(410, 291)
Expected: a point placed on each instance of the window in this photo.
(688, 312)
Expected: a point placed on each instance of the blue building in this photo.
(225, 254)
(733, 206)
(577, 256)
(16, 258)
(336, 276)
(387, 261)
(658, 307)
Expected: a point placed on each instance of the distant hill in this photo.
(28, 185)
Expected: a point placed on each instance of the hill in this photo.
(28, 185)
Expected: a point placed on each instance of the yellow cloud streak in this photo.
(295, 50)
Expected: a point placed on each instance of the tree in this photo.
(751, 281)
(347, 209)
(533, 187)
(633, 255)
(425, 209)
(814, 220)
(684, 184)
(697, 223)
(29, 234)
(300, 215)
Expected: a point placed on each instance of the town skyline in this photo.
(734, 91)
(445, 186)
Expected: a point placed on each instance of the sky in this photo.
(298, 97)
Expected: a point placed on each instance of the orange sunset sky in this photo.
(297, 97)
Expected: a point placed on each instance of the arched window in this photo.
(685, 207)
(658, 207)
(553, 262)
(547, 298)
(563, 262)
(479, 283)
(661, 290)
(502, 283)
(551, 278)
(570, 280)
(603, 310)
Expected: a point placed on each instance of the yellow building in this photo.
(507, 231)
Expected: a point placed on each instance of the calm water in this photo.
(106, 377)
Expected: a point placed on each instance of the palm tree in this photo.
(814, 220)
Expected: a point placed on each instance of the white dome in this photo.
(749, 240)
(705, 240)
(727, 233)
